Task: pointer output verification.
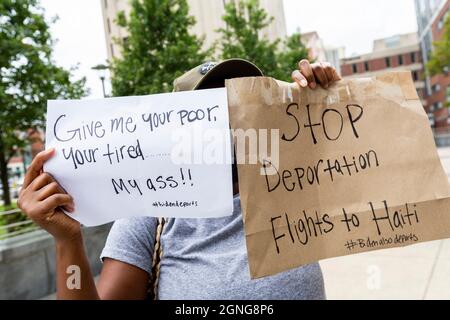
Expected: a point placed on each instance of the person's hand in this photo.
(42, 198)
(313, 74)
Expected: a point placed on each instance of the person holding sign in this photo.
(200, 258)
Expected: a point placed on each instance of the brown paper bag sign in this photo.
(357, 170)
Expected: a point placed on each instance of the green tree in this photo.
(294, 51)
(29, 77)
(440, 58)
(158, 48)
(243, 37)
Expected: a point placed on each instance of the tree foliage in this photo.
(29, 76)
(243, 37)
(158, 48)
(440, 58)
(294, 50)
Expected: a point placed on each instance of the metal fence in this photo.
(15, 228)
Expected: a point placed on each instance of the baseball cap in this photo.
(215, 72)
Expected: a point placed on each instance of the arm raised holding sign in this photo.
(129, 250)
(42, 200)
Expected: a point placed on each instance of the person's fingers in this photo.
(320, 75)
(41, 181)
(336, 76)
(55, 201)
(305, 68)
(36, 166)
(331, 72)
(50, 188)
(299, 78)
(328, 69)
(69, 207)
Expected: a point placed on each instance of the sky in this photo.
(353, 24)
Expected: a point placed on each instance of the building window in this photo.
(392, 42)
(441, 23)
(112, 49)
(355, 68)
(415, 76)
(366, 66)
(109, 25)
(413, 57)
(431, 118)
(433, 107)
(437, 106)
(400, 60)
(388, 62)
(106, 3)
(436, 88)
(421, 94)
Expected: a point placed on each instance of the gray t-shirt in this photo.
(206, 259)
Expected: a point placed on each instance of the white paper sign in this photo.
(164, 155)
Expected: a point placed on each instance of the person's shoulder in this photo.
(136, 224)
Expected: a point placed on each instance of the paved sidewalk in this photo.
(420, 271)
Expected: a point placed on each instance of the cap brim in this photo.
(229, 69)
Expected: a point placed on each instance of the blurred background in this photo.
(88, 49)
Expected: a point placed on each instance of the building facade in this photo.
(318, 51)
(396, 53)
(208, 15)
(431, 15)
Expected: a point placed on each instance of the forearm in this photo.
(74, 276)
